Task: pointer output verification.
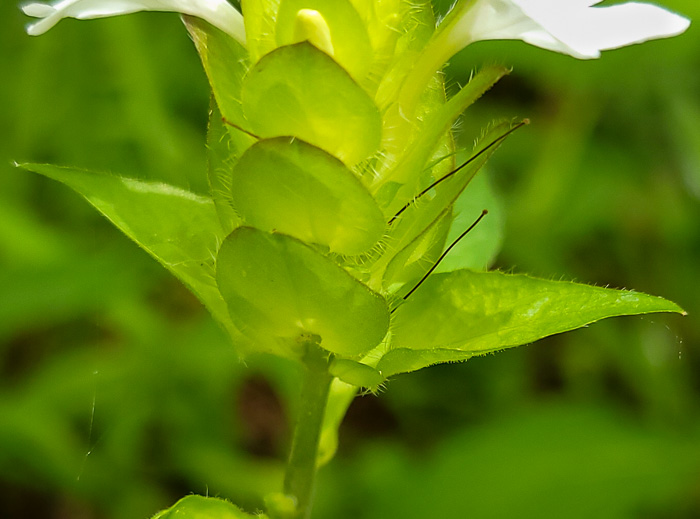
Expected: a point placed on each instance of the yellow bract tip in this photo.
(311, 26)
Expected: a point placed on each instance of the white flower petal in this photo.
(604, 28)
(38, 10)
(571, 27)
(219, 13)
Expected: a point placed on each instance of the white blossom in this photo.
(571, 27)
(219, 13)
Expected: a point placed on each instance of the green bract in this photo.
(280, 292)
(456, 315)
(299, 91)
(287, 185)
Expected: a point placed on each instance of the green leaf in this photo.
(351, 44)
(299, 91)
(225, 62)
(221, 155)
(199, 507)
(291, 187)
(404, 360)
(340, 397)
(280, 291)
(479, 312)
(177, 227)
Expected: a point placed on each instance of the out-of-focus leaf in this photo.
(299, 91)
(35, 440)
(177, 227)
(200, 507)
(280, 291)
(351, 44)
(289, 186)
(404, 360)
(35, 297)
(480, 312)
(553, 460)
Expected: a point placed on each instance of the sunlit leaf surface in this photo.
(480, 312)
(299, 91)
(151, 214)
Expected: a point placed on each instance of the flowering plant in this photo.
(334, 192)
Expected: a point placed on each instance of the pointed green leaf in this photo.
(299, 91)
(280, 291)
(351, 45)
(404, 360)
(199, 507)
(480, 312)
(177, 227)
(291, 187)
(225, 62)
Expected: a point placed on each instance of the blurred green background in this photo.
(118, 394)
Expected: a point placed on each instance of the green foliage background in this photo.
(118, 394)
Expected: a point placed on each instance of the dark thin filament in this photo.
(234, 125)
(442, 256)
(459, 168)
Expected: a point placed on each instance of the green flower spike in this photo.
(334, 188)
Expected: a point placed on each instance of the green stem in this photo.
(301, 467)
